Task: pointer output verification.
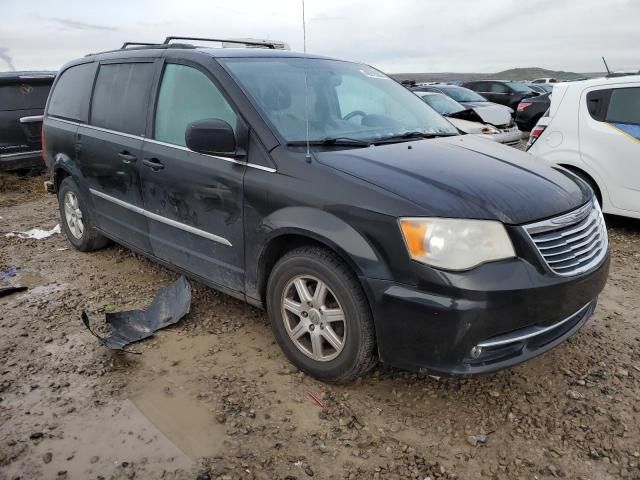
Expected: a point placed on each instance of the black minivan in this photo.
(327, 193)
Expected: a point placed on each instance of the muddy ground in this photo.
(213, 397)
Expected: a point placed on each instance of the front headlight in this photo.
(489, 130)
(455, 244)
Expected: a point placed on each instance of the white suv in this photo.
(592, 128)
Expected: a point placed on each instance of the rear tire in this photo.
(327, 331)
(77, 219)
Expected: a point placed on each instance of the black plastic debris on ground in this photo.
(9, 290)
(168, 307)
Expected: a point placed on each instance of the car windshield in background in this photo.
(441, 103)
(461, 94)
(343, 100)
(520, 87)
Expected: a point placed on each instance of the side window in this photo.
(624, 106)
(186, 95)
(120, 97)
(597, 103)
(495, 87)
(70, 97)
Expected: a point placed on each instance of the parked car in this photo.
(530, 110)
(593, 130)
(504, 92)
(22, 99)
(493, 113)
(330, 195)
(468, 121)
(544, 80)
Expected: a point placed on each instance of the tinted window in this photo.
(24, 96)
(70, 98)
(495, 87)
(187, 95)
(120, 97)
(519, 87)
(597, 102)
(624, 106)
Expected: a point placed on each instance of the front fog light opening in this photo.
(476, 352)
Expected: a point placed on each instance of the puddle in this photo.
(186, 421)
(98, 442)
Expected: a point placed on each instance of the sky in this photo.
(394, 35)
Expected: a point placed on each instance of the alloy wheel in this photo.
(313, 318)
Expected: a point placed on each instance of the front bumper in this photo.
(21, 160)
(509, 311)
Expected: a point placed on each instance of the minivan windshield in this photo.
(341, 100)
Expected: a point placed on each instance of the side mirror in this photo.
(211, 136)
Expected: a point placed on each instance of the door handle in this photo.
(153, 163)
(127, 157)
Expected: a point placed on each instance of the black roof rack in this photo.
(273, 45)
(128, 44)
(255, 43)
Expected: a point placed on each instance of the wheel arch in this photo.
(591, 179)
(296, 226)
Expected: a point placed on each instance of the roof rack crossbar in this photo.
(261, 43)
(140, 44)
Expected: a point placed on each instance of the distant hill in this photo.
(529, 73)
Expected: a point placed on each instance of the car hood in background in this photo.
(490, 112)
(464, 177)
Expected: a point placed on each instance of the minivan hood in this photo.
(491, 112)
(464, 177)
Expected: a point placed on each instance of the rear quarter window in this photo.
(70, 96)
(120, 97)
(624, 106)
(24, 96)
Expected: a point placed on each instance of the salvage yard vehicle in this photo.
(327, 193)
(22, 99)
(530, 110)
(468, 121)
(504, 92)
(593, 130)
(497, 115)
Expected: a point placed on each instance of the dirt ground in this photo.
(213, 397)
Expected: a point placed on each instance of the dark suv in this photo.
(330, 195)
(23, 96)
(503, 92)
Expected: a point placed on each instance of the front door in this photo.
(610, 141)
(193, 201)
(109, 149)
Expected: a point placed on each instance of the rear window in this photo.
(120, 97)
(70, 97)
(624, 106)
(24, 96)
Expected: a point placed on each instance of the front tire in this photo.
(320, 315)
(77, 219)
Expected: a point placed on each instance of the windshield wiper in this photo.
(330, 141)
(411, 135)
